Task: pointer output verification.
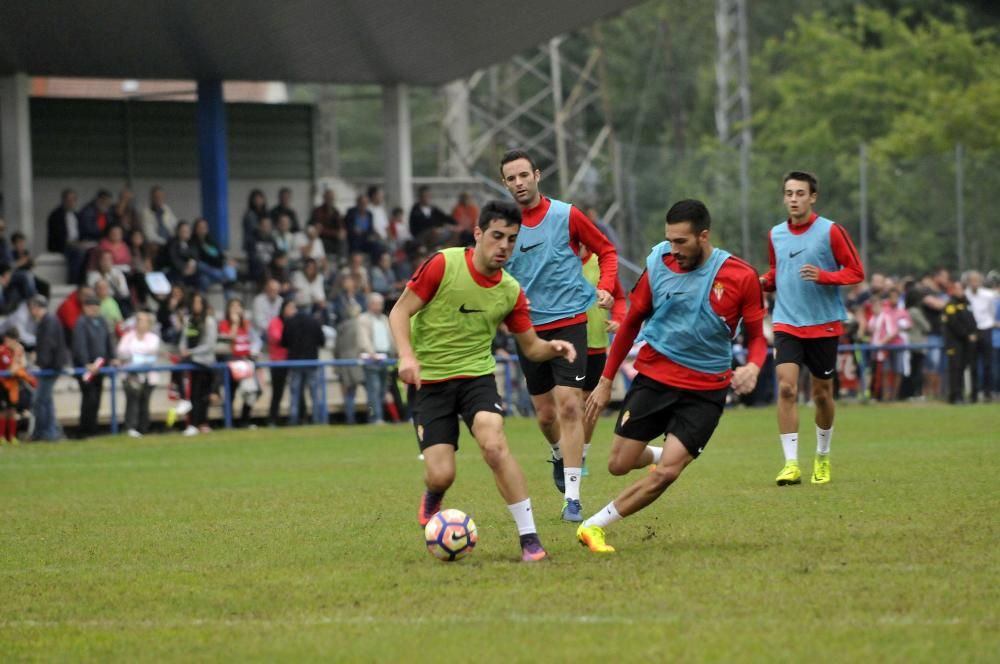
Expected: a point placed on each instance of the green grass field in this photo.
(301, 544)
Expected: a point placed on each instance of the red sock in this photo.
(11, 428)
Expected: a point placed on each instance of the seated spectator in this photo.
(170, 315)
(310, 245)
(428, 224)
(138, 348)
(158, 221)
(284, 206)
(310, 291)
(399, 230)
(360, 227)
(466, 216)
(256, 210)
(141, 265)
(111, 309)
(332, 230)
(124, 212)
(263, 247)
(10, 297)
(114, 242)
(288, 240)
(384, 280)
(265, 306)
(213, 267)
(95, 217)
(358, 269)
(278, 270)
(108, 272)
(179, 258)
(64, 236)
(348, 301)
(23, 264)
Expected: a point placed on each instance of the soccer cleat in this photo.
(171, 417)
(584, 471)
(572, 510)
(557, 474)
(531, 548)
(790, 474)
(429, 506)
(821, 469)
(593, 538)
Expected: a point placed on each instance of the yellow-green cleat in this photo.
(821, 469)
(790, 474)
(593, 538)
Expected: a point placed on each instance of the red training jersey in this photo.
(240, 337)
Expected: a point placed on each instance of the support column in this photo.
(213, 160)
(456, 128)
(15, 144)
(325, 149)
(397, 153)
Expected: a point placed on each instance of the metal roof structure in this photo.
(419, 42)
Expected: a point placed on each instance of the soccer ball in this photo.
(451, 535)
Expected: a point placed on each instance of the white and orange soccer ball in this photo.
(451, 535)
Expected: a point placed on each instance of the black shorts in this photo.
(652, 409)
(819, 354)
(595, 367)
(436, 407)
(5, 401)
(542, 377)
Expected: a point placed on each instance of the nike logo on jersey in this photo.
(470, 311)
(528, 247)
(670, 295)
(795, 253)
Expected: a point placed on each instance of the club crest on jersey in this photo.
(719, 290)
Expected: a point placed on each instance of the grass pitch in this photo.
(301, 544)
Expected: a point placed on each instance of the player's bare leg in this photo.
(569, 409)
(788, 422)
(547, 417)
(439, 474)
(487, 428)
(627, 454)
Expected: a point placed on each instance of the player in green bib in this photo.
(444, 324)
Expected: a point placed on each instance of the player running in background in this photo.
(547, 265)
(601, 323)
(444, 324)
(692, 298)
(811, 258)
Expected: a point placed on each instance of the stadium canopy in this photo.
(393, 43)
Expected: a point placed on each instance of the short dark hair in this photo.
(505, 210)
(4, 268)
(372, 190)
(18, 235)
(690, 210)
(514, 155)
(802, 176)
(103, 193)
(12, 333)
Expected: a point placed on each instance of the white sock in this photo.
(657, 452)
(572, 477)
(823, 438)
(586, 448)
(605, 517)
(790, 444)
(556, 451)
(523, 517)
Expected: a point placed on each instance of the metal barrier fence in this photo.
(862, 354)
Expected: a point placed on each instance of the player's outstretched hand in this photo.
(564, 350)
(809, 273)
(598, 400)
(605, 300)
(409, 370)
(745, 378)
(611, 326)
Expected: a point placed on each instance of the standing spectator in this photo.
(93, 347)
(170, 317)
(348, 306)
(234, 332)
(64, 235)
(888, 328)
(310, 293)
(95, 218)
(140, 267)
(114, 243)
(197, 346)
(919, 328)
(50, 354)
(375, 344)
(12, 360)
(263, 247)
(284, 206)
(124, 211)
(256, 210)
(115, 279)
(303, 337)
(934, 301)
(348, 302)
(71, 309)
(428, 224)
(360, 226)
(139, 348)
(380, 219)
(213, 266)
(159, 222)
(466, 216)
(278, 353)
(266, 305)
(983, 302)
(959, 341)
(332, 230)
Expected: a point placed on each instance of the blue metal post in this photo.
(325, 418)
(227, 401)
(213, 160)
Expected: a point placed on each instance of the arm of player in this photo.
(851, 271)
(408, 304)
(584, 232)
(537, 349)
(617, 311)
(767, 280)
(752, 312)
